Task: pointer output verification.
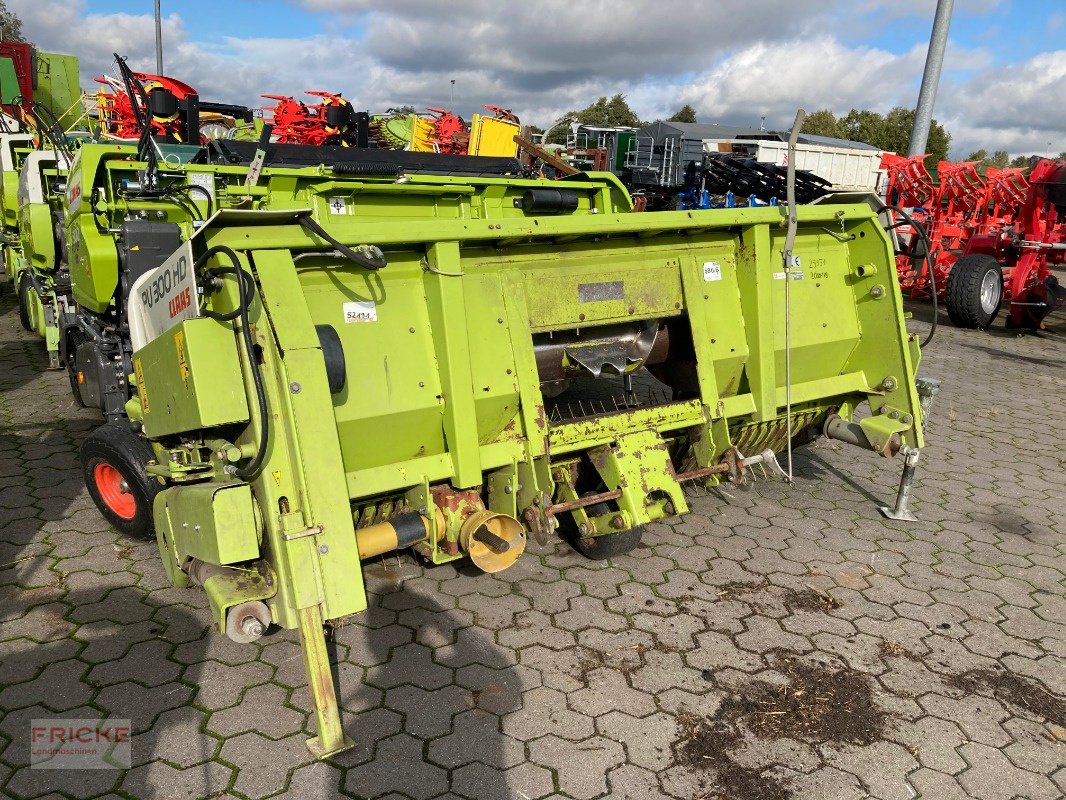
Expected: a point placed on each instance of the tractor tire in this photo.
(113, 462)
(601, 548)
(22, 290)
(975, 291)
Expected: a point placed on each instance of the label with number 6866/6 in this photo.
(712, 271)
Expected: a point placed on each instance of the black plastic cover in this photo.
(143, 246)
(234, 151)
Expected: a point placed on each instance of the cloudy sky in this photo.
(733, 60)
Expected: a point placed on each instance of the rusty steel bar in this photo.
(582, 502)
(703, 472)
(540, 153)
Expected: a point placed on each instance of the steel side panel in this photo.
(212, 522)
(190, 379)
(332, 552)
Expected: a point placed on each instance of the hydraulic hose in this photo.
(366, 256)
(245, 294)
(925, 257)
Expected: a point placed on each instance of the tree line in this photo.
(889, 131)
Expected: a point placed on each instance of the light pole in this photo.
(934, 61)
(158, 40)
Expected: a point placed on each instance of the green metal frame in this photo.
(442, 385)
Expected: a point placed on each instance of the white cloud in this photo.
(1017, 107)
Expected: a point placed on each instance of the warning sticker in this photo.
(338, 205)
(712, 271)
(142, 390)
(183, 366)
(360, 311)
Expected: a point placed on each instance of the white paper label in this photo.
(338, 205)
(360, 311)
(163, 297)
(779, 276)
(712, 271)
(206, 181)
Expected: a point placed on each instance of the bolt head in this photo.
(295, 387)
(323, 548)
(251, 626)
(507, 489)
(618, 522)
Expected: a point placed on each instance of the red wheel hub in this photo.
(114, 490)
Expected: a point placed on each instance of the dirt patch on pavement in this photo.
(734, 588)
(708, 744)
(892, 648)
(809, 599)
(1014, 690)
(818, 704)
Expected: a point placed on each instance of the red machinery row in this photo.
(981, 240)
(331, 121)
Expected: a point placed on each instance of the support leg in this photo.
(902, 508)
(331, 738)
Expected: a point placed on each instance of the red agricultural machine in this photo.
(118, 117)
(979, 240)
(166, 105)
(333, 121)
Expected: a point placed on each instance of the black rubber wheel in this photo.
(72, 366)
(601, 548)
(113, 461)
(611, 545)
(975, 291)
(23, 289)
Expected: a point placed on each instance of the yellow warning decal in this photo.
(277, 476)
(142, 390)
(183, 366)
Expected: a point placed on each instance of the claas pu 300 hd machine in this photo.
(331, 354)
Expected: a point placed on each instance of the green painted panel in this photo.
(190, 378)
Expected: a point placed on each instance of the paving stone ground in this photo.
(567, 678)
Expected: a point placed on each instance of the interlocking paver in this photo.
(397, 766)
(581, 767)
(263, 710)
(647, 741)
(991, 776)
(563, 677)
(264, 764)
(157, 779)
(488, 783)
